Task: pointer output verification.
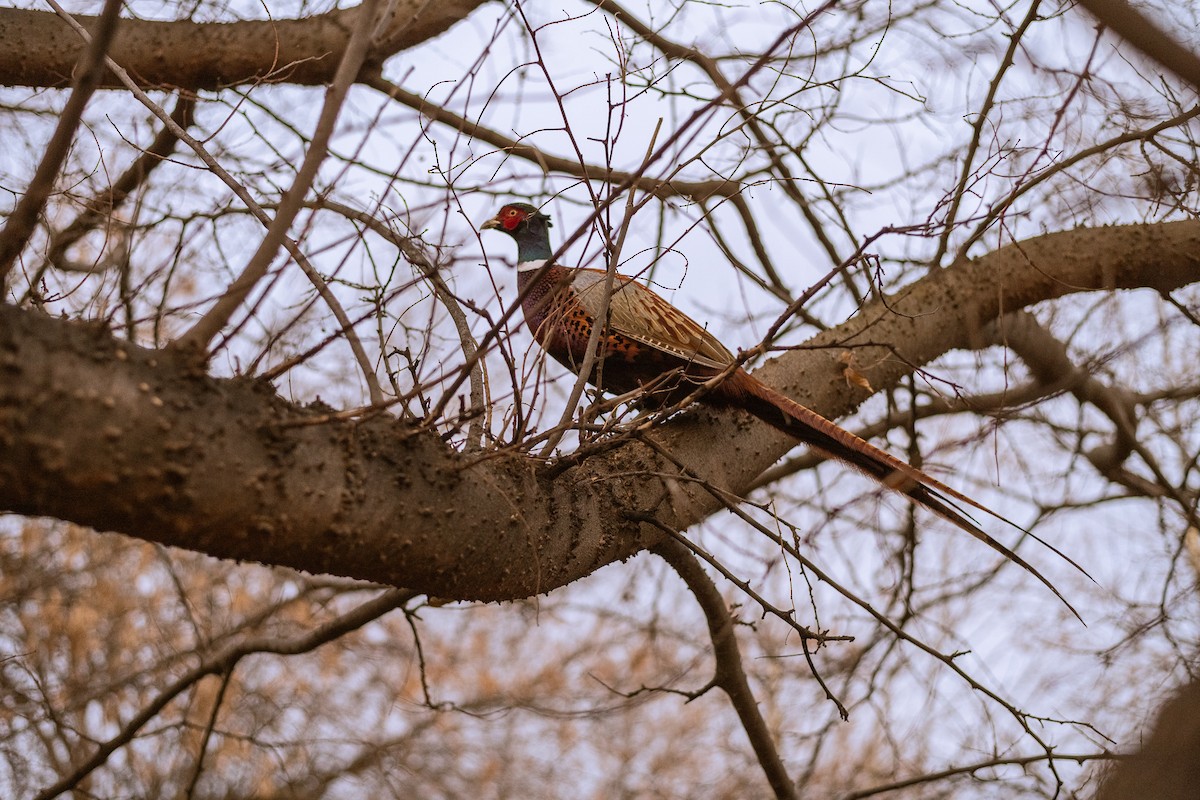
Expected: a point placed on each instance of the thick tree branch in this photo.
(730, 674)
(1141, 32)
(1167, 766)
(211, 55)
(100, 432)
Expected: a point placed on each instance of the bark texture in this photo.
(37, 48)
(1167, 766)
(99, 432)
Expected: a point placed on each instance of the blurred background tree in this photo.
(247, 316)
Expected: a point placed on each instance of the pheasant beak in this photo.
(492, 224)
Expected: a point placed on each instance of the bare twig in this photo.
(601, 326)
(729, 673)
(198, 767)
(981, 118)
(224, 661)
(428, 270)
(200, 334)
(731, 92)
(550, 163)
(242, 194)
(971, 769)
(22, 220)
(97, 210)
(998, 209)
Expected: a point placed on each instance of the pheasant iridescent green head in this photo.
(528, 226)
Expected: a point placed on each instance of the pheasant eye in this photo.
(512, 218)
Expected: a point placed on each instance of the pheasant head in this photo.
(528, 227)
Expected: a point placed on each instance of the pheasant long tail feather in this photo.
(814, 430)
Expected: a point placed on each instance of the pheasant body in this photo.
(561, 308)
(645, 342)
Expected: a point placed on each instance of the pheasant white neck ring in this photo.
(531, 265)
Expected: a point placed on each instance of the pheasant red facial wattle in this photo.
(648, 343)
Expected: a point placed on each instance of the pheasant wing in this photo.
(639, 314)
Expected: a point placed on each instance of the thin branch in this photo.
(225, 661)
(998, 209)
(731, 92)
(242, 194)
(208, 326)
(655, 187)
(23, 218)
(98, 209)
(198, 768)
(429, 270)
(786, 616)
(971, 769)
(730, 675)
(981, 118)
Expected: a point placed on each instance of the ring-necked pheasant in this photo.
(647, 342)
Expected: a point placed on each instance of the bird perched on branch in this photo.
(645, 342)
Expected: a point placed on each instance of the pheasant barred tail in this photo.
(809, 427)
